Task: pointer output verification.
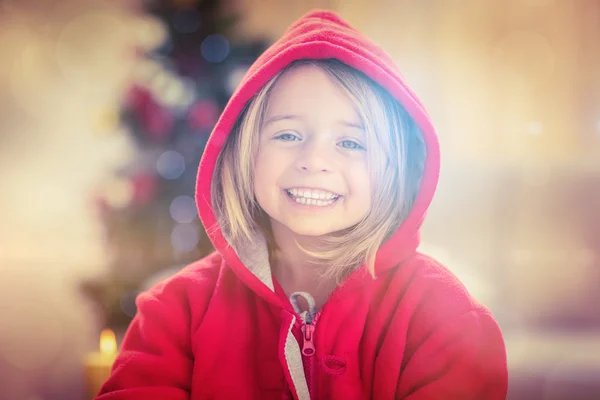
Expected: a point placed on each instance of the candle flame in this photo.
(108, 342)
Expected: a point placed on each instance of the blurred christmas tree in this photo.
(148, 209)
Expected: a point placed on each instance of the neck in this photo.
(294, 269)
(288, 259)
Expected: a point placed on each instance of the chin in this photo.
(310, 232)
(313, 230)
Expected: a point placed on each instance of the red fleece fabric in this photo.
(214, 330)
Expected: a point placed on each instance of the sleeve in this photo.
(462, 360)
(155, 360)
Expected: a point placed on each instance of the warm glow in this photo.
(108, 342)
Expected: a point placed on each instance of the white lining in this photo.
(293, 358)
(255, 256)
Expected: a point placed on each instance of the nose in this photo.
(315, 157)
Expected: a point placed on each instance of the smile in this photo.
(312, 197)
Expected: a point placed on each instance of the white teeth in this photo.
(311, 202)
(313, 197)
(313, 194)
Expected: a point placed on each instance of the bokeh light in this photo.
(215, 48)
(170, 164)
(160, 82)
(168, 89)
(128, 305)
(174, 94)
(150, 32)
(184, 238)
(235, 77)
(183, 209)
(189, 93)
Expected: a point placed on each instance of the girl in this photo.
(313, 186)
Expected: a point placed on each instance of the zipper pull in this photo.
(308, 347)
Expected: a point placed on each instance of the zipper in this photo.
(308, 354)
(307, 331)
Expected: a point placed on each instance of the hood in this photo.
(317, 35)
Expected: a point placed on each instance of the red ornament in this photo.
(203, 114)
(158, 123)
(144, 189)
(138, 97)
(155, 120)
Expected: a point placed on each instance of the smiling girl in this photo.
(313, 187)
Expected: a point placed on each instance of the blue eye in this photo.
(351, 145)
(287, 137)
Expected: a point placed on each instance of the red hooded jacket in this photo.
(222, 328)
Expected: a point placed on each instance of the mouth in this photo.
(312, 197)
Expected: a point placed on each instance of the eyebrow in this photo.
(297, 117)
(281, 117)
(352, 124)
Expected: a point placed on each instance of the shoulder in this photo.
(427, 278)
(432, 295)
(452, 345)
(193, 284)
(435, 308)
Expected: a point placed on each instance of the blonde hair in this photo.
(388, 127)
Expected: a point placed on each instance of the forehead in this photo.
(309, 91)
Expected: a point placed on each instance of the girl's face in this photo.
(311, 172)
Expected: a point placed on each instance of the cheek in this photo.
(259, 178)
(261, 188)
(360, 179)
(271, 161)
(361, 186)
(266, 171)
(366, 201)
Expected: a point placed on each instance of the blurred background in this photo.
(105, 107)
